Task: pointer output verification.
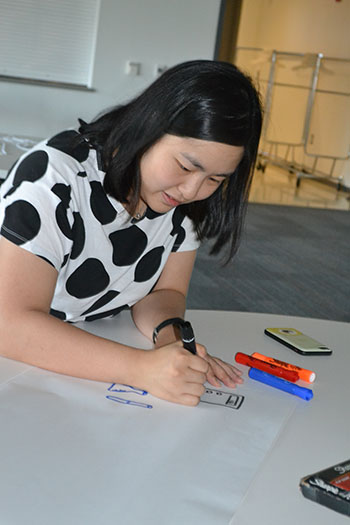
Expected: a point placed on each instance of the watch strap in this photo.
(173, 320)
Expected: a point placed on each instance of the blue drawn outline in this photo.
(130, 389)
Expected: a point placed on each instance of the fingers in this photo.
(219, 371)
(176, 375)
(193, 390)
(188, 393)
(193, 376)
(198, 364)
(225, 372)
(212, 379)
(189, 400)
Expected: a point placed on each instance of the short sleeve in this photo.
(34, 208)
(186, 237)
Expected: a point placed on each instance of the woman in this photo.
(110, 217)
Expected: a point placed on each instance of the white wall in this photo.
(147, 31)
(304, 26)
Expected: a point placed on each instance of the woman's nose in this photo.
(190, 187)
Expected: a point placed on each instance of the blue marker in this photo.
(282, 384)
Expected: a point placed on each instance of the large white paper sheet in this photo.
(79, 452)
(70, 455)
(9, 369)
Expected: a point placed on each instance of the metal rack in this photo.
(296, 156)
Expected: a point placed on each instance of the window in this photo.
(48, 41)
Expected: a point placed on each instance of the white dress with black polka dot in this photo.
(53, 204)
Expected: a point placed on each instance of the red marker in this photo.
(248, 360)
(304, 374)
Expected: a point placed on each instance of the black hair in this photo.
(201, 99)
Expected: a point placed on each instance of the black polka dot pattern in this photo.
(68, 143)
(76, 232)
(100, 205)
(180, 237)
(65, 260)
(17, 230)
(46, 260)
(150, 214)
(178, 230)
(78, 235)
(53, 202)
(58, 314)
(89, 279)
(102, 301)
(30, 169)
(109, 313)
(148, 266)
(128, 245)
(177, 219)
(63, 192)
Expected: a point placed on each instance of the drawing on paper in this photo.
(225, 399)
(211, 396)
(122, 389)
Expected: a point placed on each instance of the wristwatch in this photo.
(186, 330)
(173, 320)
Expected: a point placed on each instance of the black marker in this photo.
(187, 336)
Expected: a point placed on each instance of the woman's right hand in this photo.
(174, 374)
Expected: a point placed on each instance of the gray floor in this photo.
(292, 261)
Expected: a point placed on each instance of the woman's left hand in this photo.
(220, 371)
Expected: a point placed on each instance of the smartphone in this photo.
(297, 341)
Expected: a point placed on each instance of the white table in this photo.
(316, 436)
(11, 148)
(44, 479)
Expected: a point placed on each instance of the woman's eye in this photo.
(182, 167)
(217, 181)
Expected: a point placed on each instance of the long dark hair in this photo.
(201, 99)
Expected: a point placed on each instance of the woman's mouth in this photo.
(169, 200)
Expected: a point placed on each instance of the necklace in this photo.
(140, 214)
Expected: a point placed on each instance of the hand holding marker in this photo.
(273, 376)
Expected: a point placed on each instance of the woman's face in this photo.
(178, 170)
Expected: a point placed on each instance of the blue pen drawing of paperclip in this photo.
(128, 402)
(114, 387)
(127, 388)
